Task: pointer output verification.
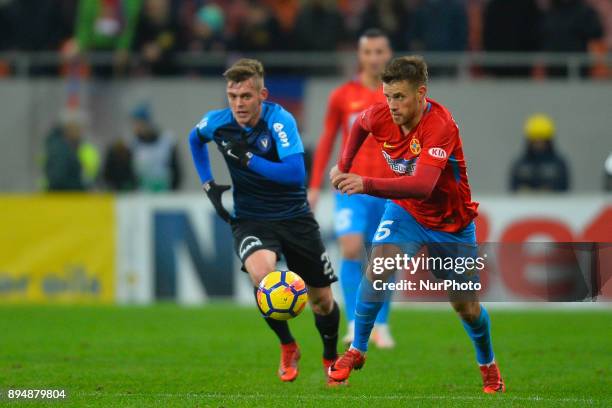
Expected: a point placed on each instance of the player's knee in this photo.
(351, 252)
(351, 247)
(257, 277)
(322, 303)
(322, 307)
(258, 272)
(259, 264)
(373, 273)
(370, 275)
(467, 311)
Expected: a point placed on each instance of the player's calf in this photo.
(327, 319)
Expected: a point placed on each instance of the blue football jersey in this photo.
(274, 137)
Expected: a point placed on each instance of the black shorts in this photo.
(298, 239)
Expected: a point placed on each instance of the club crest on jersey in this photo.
(437, 152)
(264, 143)
(415, 146)
(401, 166)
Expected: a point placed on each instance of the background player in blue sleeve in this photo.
(264, 154)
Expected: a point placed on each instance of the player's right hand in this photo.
(334, 173)
(214, 192)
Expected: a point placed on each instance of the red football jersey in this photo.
(434, 141)
(345, 104)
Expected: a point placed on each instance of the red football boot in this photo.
(341, 369)
(492, 381)
(288, 368)
(330, 381)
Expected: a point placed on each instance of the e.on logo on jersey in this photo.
(437, 152)
(282, 135)
(203, 123)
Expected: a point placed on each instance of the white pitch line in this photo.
(339, 397)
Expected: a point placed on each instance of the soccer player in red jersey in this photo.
(430, 205)
(356, 216)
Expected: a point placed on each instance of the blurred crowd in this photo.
(146, 159)
(144, 35)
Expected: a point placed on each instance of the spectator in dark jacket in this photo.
(540, 168)
(319, 27)
(36, 25)
(39, 25)
(511, 26)
(569, 26)
(118, 167)
(439, 25)
(156, 37)
(391, 16)
(62, 166)
(258, 30)
(70, 162)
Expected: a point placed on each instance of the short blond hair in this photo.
(246, 68)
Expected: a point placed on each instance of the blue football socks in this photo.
(369, 303)
(350, 276)
(480, 333)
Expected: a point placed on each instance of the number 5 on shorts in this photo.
(383, 231)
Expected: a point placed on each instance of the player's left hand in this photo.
(237, 151)
(348, 183)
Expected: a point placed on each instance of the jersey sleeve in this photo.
(373, 119)
(333, 121)
(204, 129)
(285, 132)
(364, 119)
(439, 141)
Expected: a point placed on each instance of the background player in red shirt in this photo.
(356, 216)
(431, 204)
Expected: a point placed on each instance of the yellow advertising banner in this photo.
(57, 248)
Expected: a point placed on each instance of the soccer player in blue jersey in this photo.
(264, 154)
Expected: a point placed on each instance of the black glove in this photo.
(214, 193)
(238, 151)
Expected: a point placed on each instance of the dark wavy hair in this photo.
(411, 68)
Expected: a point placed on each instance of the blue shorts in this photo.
(399, 227)
(358, 214)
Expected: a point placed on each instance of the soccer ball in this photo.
(282, 295)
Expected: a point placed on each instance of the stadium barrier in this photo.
(464, 64)
(146, 248)
(57, 248)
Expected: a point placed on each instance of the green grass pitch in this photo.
(223, 355)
